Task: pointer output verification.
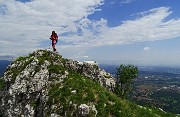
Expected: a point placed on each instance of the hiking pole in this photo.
(49, 44)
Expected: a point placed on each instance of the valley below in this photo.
(155, 87)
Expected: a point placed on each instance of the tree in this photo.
(124, 79)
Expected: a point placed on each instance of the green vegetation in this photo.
(157, 93)
(58, 69)
(76, 89)
(21, 58)
(124, 76)
(91, 93)
(1, 84)
(45, 56)
(170, 99)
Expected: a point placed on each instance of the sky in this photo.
(139, 32)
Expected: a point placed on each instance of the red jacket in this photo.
(54, 37)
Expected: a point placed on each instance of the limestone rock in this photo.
(29, 79)
(83, 110)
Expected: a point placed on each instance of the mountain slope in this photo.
(44, 84)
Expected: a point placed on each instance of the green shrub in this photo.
(21, 58)
(1, 84)
(58, 69)
(124, 79)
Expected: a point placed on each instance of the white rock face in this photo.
(83, 110)
(92, 71)
(91, 62)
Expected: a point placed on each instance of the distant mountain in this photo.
(147, 70)
(3, 66)
(161, 69)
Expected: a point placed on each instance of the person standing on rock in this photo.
(54, 39)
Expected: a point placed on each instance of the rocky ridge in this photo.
(28, 80)
(44, 84)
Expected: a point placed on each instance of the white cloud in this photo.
(24, 26)
(126, 1)
(147, 48)
(85, 56)
(151, 26)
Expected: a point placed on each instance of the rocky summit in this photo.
(29, 80)
(43, 84)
